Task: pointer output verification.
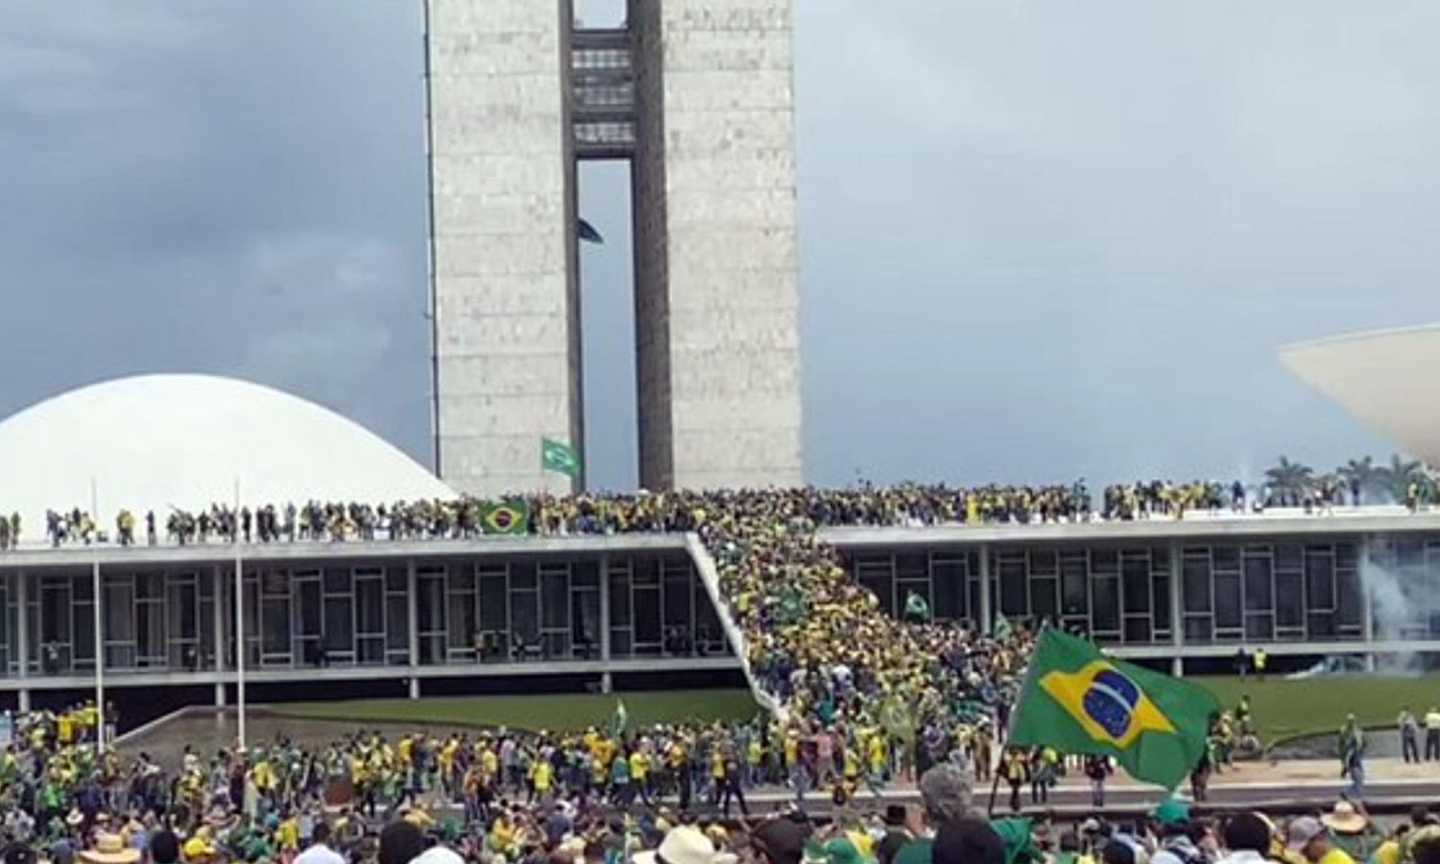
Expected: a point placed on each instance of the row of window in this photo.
(469, 612)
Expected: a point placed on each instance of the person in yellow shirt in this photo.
(879, 755)
(640, 774)
(1308, 838)
(717, 773)
(754, 760)
(287, 833)
(541, 776)
(490, 765)
(677, 758)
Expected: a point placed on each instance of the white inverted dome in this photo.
(1386, 378)
(159, 442)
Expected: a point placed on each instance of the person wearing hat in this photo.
(1350, 830)
(1307, 838)
(110, 849)
(900, 828)
(781, 840)
(1171, 821)
(686, 844)
(201, 845)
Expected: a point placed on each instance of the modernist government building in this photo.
(397, 617)
(697, 96)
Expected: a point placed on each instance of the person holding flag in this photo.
(1077, 700)
(618, 721)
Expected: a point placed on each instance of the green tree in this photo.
(1399, 474)
(1290, 480)
(1366, 477)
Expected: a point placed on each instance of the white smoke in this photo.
(1394, 612)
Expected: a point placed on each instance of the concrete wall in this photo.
(717, 300)
(507, 334)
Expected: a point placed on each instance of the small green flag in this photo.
(792, 606)
(559, 457)
(511, 516)
(1002, 629)
(897, 719)
(1077, 700)
(619, 720)
(916, 607)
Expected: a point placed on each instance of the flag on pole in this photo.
(1002, 629)
(916, 607)
(559, 457)
(1077, 700)
(898, 720)
(618, 720)
(511, 516)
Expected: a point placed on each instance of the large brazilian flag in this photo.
(1077, 700)
(511, 516)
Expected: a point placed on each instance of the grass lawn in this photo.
(556, 712)
(1283, 708)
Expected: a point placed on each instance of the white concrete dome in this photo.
(157, 442)
(1386, 378)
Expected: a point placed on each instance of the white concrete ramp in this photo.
(710, 578)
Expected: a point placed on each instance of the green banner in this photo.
(559, 457)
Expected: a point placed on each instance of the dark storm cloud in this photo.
(1039, 239)
(222, 187)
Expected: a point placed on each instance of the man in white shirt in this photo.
(319, 852)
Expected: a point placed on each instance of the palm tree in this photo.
(1289, 481)
(1364, 479)
(1399, 474)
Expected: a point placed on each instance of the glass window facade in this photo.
(505, 609)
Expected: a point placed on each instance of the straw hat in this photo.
(110, 849)
(1344, 819)
(685, 845)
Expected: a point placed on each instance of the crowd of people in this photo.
(910, 504)
(604, 796)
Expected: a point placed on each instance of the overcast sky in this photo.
(1039, 239)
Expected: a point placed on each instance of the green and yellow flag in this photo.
(559, 457)
(1077, 700)
(511, 516)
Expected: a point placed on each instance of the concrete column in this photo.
(219, 625)
(25, 700)
(985, 616)
(1177, 614)
(606, 683)
(219, 694)
(22, 631)
(412, 612)
(1367, 613)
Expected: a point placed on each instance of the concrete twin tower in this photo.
(698, 96)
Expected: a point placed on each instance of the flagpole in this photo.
(239, 623)
(99, 622)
